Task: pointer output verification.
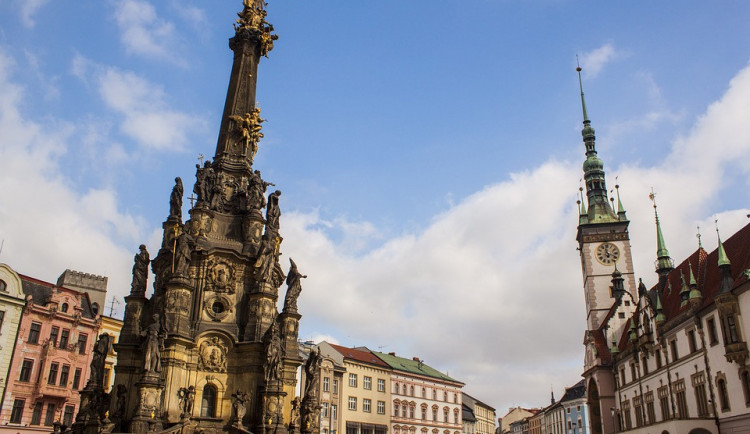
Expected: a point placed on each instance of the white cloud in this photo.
(146, 115)
(144, 33)
(595, 60)
(491, 291)
(28, 9)
(47, 226)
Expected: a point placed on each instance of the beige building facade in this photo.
(365, 390)
(12, 302)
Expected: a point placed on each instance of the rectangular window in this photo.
(403, 410)
(326, 384)
(333, 411)
(381, 407)
(64, 336)
(367, 383)
(53, 335)
(352, 403)
(82, 338)
(664, 402)
(2, 318)
(632, 371)
(650, 407)
(445, 416)
(34, 331)
(53, 368)
(455, 398)
(324, 410)
(682, 408)
(26, 368)
(644, 365)
(673, 348)
(691, 341)
(396, 408)
(352, 380)
(657, 356)
(381, 385)
(699, 387)
(17, 412)
(638, 414)
(622, 376)
(49, 418)
(424, 413)
(335, 386)
(434, 414)
(411, 412)
(366, 404)
(36, 415)
(455, 418)
(713, 337)
(77, 379)
(64, 374)
(68, 416)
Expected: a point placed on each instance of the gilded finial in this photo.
(698, 235)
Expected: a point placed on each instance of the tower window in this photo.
(208, 403)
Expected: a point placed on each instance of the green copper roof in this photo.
(620, 208)
(659, 310)
(663, 260)
(723, 259)
(412, 366)
(599, 209)
(692, 276)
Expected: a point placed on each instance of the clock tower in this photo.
(608, 282)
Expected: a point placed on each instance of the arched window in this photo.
(64, 307)
(208, 404)
(411, 390)
(95, 308)
(3, 286)
(723, 395)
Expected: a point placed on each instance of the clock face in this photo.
(607, 253)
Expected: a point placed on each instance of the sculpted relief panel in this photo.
(221, 276)
(212, 355)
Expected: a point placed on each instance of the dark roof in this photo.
(41, 293)
(575, 392)
(476, 400)
(359, 355)
(467, 413)
(707, 275)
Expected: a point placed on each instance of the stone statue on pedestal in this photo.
(153, 346)
(175, 200)
(294, 287)
(140, 272)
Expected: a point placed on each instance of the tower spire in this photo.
(240, 130)
(664, 263)
(599, 211)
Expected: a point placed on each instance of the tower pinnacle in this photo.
(600, 210)
(664, 263)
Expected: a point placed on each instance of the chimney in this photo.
(392, 354)
(416, 359)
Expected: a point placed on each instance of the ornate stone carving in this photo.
(153, 345)
(221, 276)
(175, 200)
(201, 225)
(294, 287)
(187, 398)
(182, 255)
(98, 360)
(294, 416)
(268, 254)
(217, 307)
(178, 301)
(256, 191)
(212, 355)
(239, 407)
(140, 272)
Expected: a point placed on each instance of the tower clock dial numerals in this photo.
(607, 253)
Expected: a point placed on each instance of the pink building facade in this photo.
(51, 358)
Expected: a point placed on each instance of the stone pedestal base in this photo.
(149, 411)
(273, 411)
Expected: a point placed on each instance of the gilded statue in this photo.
(249, 129)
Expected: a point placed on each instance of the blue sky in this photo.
(429, 153)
